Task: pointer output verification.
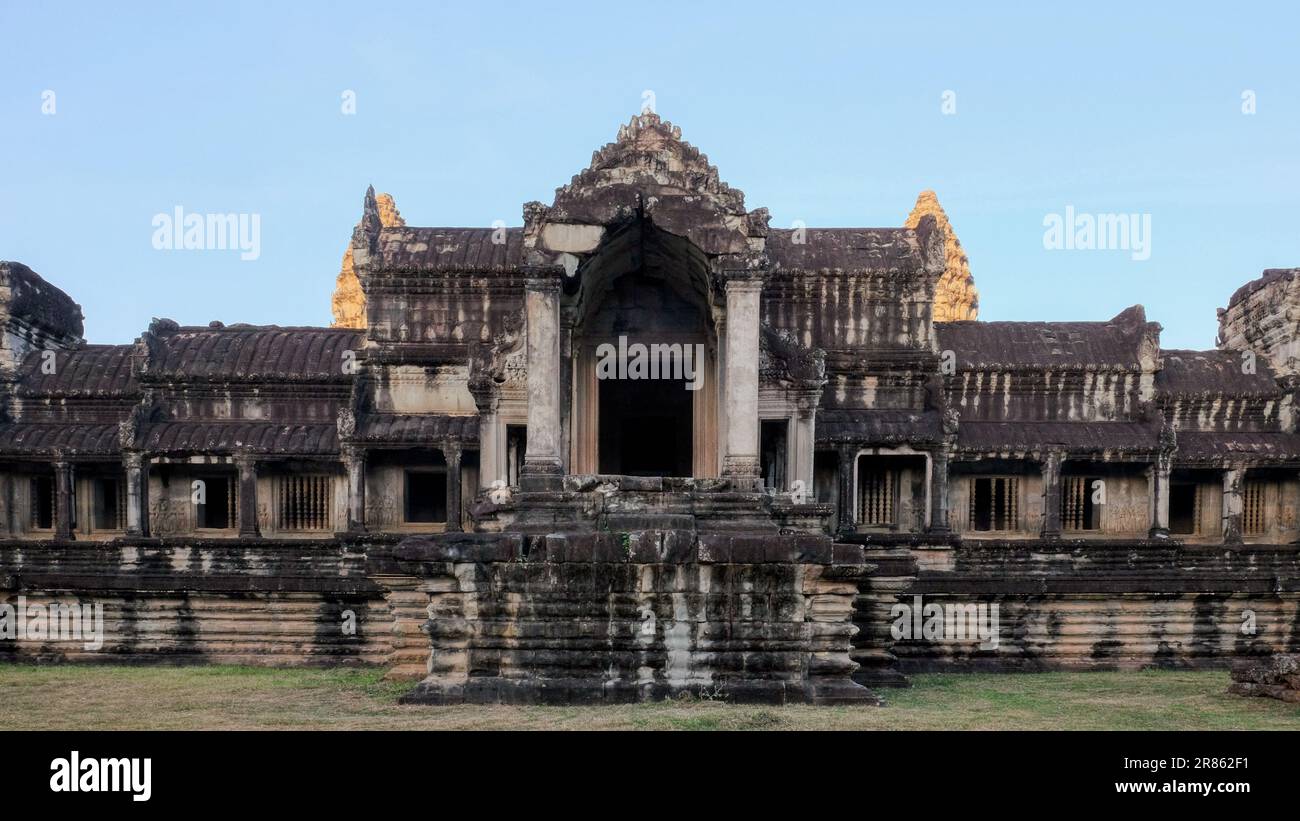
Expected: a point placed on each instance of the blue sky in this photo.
(826, 113)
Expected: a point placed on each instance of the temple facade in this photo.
(741, 426)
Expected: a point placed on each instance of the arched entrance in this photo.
(644, 358)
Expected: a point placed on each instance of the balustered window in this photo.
(994, 503)
(304, 502)
(1078, 512)
(108, 503)
(877, 497)
(1252, 508)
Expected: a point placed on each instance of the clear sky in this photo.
(827, 113)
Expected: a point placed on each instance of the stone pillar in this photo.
(354, 460)
(741, 462)
(805, 443)
(137, 493)
(939, 493)
(63, 501)
(451, 451)
(1232, 505)
(1160, 497)
(1052, 495)
(247, 496)
(848, 480)
(543, 466)
(490, 450)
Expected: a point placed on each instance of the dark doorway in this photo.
(773, 439)
(645, 427)
(1184, 510)
(426, 496)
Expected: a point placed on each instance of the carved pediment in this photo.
(648, 171)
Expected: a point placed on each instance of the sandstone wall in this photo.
(609, 617)
(203, 602)
(1104, 606)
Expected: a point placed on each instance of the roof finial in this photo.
(366, 234)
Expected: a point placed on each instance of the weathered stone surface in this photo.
(1262, 317)
(193, 601)
(615, 617)
(1090, 605)
(1276, 676)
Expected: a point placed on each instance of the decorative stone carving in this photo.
(783, 359)
(504, 360)
(500, 493)
(347, 423)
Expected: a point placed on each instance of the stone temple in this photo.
(649, 444)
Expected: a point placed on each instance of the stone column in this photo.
(848, 480)
(741, 462)
(543, 465)
(1160, 497)
(490, 450)
(137, 493)
(451, 451)
(354, 460)
(247, 496)
(63, 501)
(1232, 505)
(805, 443)
(1052, 495)
(939, 492)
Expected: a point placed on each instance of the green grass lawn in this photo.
(97, 697)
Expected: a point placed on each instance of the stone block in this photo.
(848, 554)
(714, 548)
